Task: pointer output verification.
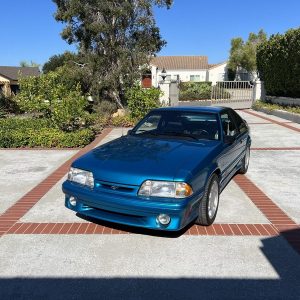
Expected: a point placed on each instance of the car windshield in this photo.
(179, 124)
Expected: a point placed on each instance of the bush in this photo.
(105, 107)
(278, 64)
(270, 106)
(194, 91)
(50, 96)
(23, 132)
(219, 92)
(140, 101)
(123, 121)
(70, 114)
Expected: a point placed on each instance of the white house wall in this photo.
(217, 73)
(184, 75)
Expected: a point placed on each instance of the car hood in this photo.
(132, 160)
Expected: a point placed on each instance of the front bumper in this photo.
(130, 209)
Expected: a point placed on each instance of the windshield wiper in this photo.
(175, 133)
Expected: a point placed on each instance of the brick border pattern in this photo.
(92, 228)
(284, 124)
(25, 203)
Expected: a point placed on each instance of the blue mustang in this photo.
(165, 173)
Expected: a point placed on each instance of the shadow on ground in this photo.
(284, 259)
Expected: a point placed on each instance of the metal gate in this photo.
(234, 94)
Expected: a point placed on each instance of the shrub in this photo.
(278, 64)
(123, 121)
(51, 96)
(29, 132)
(219, 92)
(194, 91)
(45, 137)
(69, 114)
(105, 107)
(140, 101)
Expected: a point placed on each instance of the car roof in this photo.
(207, 109)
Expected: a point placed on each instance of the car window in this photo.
(228, 125)
(179, 124)
(242, 127)
(149, 124)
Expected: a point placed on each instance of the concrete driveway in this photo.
(251, 252)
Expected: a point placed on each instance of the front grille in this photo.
(114, 187)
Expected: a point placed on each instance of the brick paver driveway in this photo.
(251, 252)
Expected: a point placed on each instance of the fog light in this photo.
(72, 201)
(163, 219)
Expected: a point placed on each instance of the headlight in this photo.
(81, 177)
(165, 189)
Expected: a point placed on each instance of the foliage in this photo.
(124, 121)
(140, 101)
(243, 53)
(59, 60)
(28, 132)
(278, 64)
(105, 107)
(25, 63)
(54, 97)
(114, 39)
(194, 91)
(270, 106)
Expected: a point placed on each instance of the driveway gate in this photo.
(234, 94)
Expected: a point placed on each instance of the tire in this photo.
(245, 161)
(207, 212)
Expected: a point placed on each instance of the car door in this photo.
(242, 135)
(230, 151)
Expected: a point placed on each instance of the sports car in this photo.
(165, 173)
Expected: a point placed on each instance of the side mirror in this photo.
(228, 139)
(129, 131)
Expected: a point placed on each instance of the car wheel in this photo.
(210, 202)
(245, 161)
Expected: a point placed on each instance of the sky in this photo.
(191, 27)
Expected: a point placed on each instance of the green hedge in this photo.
(17, 133)
(278, 63)
(194, 91)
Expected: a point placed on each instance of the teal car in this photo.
(167, 172)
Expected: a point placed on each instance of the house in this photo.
(183, 68)
(9, 77)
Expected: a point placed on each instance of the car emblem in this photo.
(113, 187)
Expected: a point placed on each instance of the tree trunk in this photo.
(115, 96)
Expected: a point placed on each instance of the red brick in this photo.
(107, 230)
(201, 230)
(193, 230)
(74, 228)
(235, 229)
(91, 228)
(82, 229)
(252, 229)
(65, 228)
(99, 229)
(218, 229)
(39, 229)
(227, 229)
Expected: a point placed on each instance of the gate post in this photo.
(259, 91)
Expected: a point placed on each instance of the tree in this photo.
(25, 63)
(114, 37)
(243, 54)
(59, 60)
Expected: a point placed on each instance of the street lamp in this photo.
(163, 74)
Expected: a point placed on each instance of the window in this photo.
(149, 124)
(242, 127)
(180, 125)
(195, 78)
(229, 128)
